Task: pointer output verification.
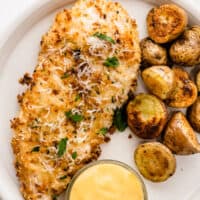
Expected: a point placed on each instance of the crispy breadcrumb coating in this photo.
(87, 65)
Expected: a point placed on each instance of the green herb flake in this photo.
(111, 62)
(103, 131)
(113, 99)
(62, 147)
(64, 76)
(120, 119)
(74, 155)
(102, 36)
(54, 197)
(63, 177)
(74, 117)
(35, 149)
(34, 127)
(78, 97)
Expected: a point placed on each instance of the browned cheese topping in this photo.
(87, 65)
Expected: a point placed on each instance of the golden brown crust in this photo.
(198, 80)
(147, 116)
(179, 136)
(155, 161)
(70, 96)
(184, 93)
(166, 22)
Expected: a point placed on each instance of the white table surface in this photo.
(10, 10)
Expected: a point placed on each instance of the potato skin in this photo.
(184, 93)
(186, 50)
(152, 53)
(194, 115)
(155, 161)
(147, 116)
(179, 136)
(159, 80)
(198, 80)
(166, 22)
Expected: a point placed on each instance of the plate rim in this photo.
(10, 41)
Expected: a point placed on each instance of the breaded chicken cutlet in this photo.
(87, 65)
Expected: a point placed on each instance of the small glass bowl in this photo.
(76, 176)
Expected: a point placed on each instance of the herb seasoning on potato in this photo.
(155, 161)
(147, 116)
(166, 22)
(179, 136)
(184, 93)
(186, 49)
(152, 53)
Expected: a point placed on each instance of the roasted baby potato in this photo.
(155, 161)
(166, 22)
(159, 80)
(152, 53)
(147, 115)
(179, 136)
(194, 115)
(198, 81)
(184, 93)
(186, 50)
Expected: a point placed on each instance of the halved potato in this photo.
(179, 136)
(194, 115)
(166, 22)
(152, 53)
(155, 161)
(159, 80)
(147, 116)
(186, 49)
(198, 80)
(184, 93)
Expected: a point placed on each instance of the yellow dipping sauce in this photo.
(107, 181)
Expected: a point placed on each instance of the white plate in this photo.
(19, 55)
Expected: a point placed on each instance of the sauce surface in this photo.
(107, 182)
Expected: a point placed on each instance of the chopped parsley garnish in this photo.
(103, 131)
(120, 119)
(74, 117)
(111, 62)
(78, 97)
(113, 99)
(104, 37)
(62, 147)
(74, 155)
(63, 177)
(65, 75)
(35, 149)
(54, 197)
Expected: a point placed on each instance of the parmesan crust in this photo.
(71, 77)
